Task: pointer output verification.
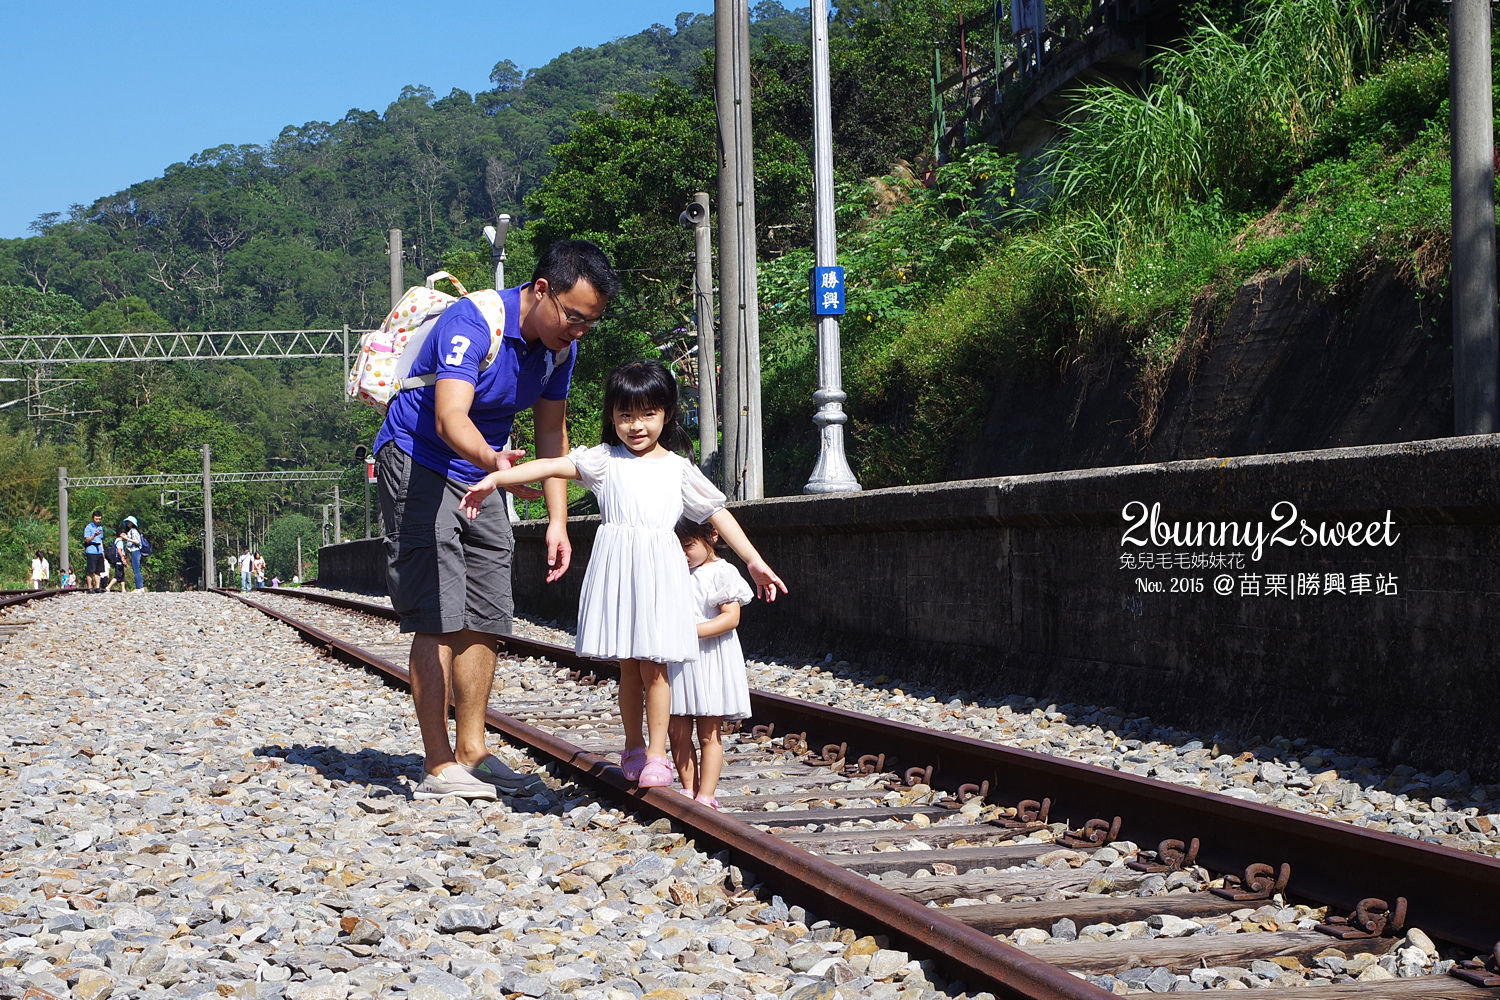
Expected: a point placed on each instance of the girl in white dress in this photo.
(714, 688)
(635, 605)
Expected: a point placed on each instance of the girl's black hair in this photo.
(638, 384)
(687, 529)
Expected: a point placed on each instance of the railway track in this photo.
(945, 843)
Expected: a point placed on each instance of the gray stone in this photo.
(1266, 970)
(453, 919)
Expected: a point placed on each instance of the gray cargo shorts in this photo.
(445, 573)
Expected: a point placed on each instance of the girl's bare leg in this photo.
(711, 758)
(684, 754)
(630, 703)
(658, 705)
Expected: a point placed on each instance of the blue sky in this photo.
(95, 96)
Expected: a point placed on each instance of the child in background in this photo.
(634, 605)
(714, 688)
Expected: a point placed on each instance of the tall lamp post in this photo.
(832, 473)
(496, 235)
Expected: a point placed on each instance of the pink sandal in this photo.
(631, 762)
(656, 774)
(711, 802)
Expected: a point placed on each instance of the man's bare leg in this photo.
(473, 678)
(431, 666)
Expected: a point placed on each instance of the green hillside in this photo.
(1303, 131)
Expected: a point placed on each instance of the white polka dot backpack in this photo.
(385, 355)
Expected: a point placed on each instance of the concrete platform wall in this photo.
(1053, 585)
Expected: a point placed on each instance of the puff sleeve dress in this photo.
(636, 601)
(716, 686)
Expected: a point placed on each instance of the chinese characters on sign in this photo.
(827, 291)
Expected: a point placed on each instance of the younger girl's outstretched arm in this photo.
(516, 475)
(766, 580)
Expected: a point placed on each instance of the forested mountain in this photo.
(1279, 132)
(604, 142)
(291, 234)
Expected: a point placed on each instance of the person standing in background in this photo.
(93, 551)
(133, 548)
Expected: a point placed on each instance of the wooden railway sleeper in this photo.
(1372, 918)
(1171, 856)
(1261, 881)
(1481, 972)
(1094, 833)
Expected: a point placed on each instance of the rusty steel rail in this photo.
(964, 953)
(1449, 893)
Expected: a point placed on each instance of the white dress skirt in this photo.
(715, 686)
(636, 601)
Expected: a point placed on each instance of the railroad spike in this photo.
(1480, 972)
(763, 733)
(970, 790)
(869, 764)
(1260, 881)
(1171, 856)
(912, 777)
(1029, 812)
(794, 743)
(1372, 918)
(1094, 833)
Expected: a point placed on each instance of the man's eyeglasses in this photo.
(574, 319)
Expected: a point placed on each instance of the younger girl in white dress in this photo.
(715, 687)
(636, 604)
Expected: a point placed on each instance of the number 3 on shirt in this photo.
(460, 345)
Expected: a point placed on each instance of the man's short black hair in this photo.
(565, 261)
(97, 513)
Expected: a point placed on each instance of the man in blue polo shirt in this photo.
(449, 577)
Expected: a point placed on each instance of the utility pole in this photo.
(394, 249)
(62, 519)
(697, 216)
(208, 524)
(1476, 346)
(739, 297)
(827, 288)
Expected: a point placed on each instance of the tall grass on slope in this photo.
(1232, 112)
